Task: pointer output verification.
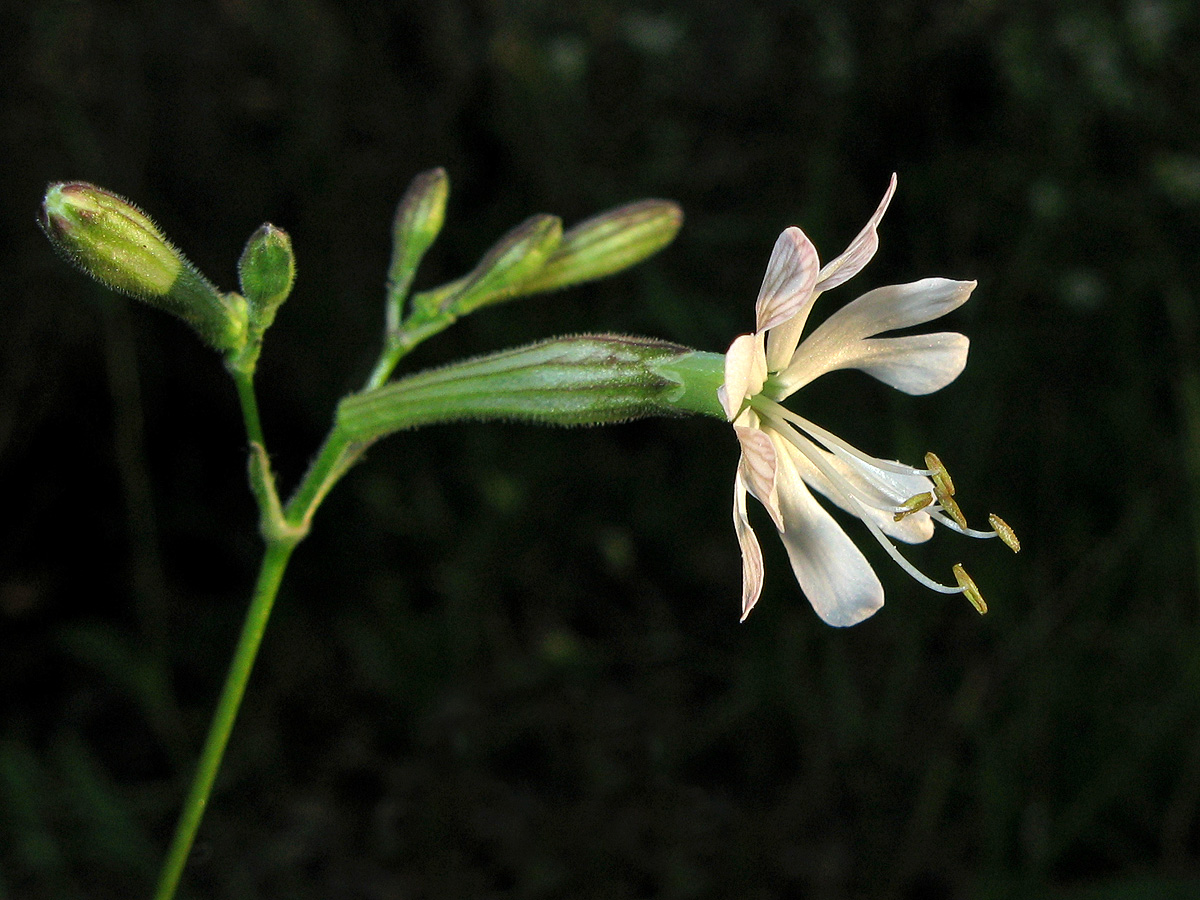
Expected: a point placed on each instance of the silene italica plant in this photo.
(580, 380)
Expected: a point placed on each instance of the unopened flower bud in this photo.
(608, 243)
(266, 271)
(116, 243)
(503, 271)
(419, 218)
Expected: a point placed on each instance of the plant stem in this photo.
(249, 403)
(335, 457)
(270, 575)
(401, 341)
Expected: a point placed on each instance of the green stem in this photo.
(269, 577)
(401, 341)
(249, 402)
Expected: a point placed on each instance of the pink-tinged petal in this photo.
(745, 373)
(835, 344)
(880, 491)
(787, 287)
(752, 561)
(860, 251)
(757, 468)
(834, 575)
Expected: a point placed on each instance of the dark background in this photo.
(507, 662)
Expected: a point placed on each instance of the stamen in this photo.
(845, 487)
(912, 505)
(949, 504)
(778, 410)
(941, 477)
(848, 493)
(1004, 532)
(967, 586)
(954, 526)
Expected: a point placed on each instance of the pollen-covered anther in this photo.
(970, 591)
(941, 477)
(950, 505)
(1004, 532)
(913, 504)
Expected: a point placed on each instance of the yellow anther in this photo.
(912, 505)
(1005, 533)
(950, 506)
(940, 476)
(967, 586)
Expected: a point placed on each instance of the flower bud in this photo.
(266, 272)
(586, 380)
(608, 243)
(503, 271)
(418, 220)
(116, 243)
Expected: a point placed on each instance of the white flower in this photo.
(783, 454)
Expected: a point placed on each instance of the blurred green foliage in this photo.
(507, 662)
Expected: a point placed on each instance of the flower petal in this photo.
(860, 251)
(835, 344)
(787, 287)
(834, 575)
(758, 467)
(752, 562)
(745, 373)
(916, 364)
(881, 489)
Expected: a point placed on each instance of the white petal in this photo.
(915, 364)
(788, 284)
(896, 306)
(882, 489)
(880, 310)
(745, 373)
(757, 468)
(860, 251)
(752, 562)
(833, 573)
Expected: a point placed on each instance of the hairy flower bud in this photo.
(266, 272)
(418, 221)
(116, 243)
(503, 271)
(608, 243)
